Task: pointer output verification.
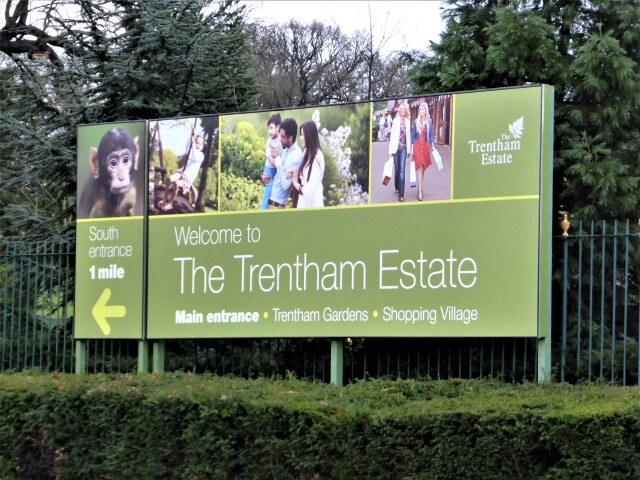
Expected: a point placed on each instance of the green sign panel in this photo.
(440, 271)
(464, 262)
(497, 144)
(429, 216)
(110, 231)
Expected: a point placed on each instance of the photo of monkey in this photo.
(183, 165)
(112, 172)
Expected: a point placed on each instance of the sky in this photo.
(412, 23)
(403, 25)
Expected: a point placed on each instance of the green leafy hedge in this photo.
(183, 426)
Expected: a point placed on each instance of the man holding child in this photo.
(285, 163)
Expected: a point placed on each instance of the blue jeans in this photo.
(264, 203)
(399, 160)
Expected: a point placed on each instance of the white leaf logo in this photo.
(517, 127)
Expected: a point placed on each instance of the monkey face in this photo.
(115, 160)
(110, 190)
(119, 164)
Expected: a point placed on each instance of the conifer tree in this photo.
(586, 49)
(103, 61)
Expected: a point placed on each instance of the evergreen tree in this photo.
(104, 61)
(586, 49)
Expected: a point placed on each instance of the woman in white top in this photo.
(307, 180)
(400, 146)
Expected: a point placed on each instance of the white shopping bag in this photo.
(437, 158)
(387, 172)
(412, 174)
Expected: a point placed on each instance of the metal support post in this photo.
(81, 357)
(143, 356)
(337, 361)
(158, 357)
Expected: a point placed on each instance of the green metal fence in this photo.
(600, 315)
(596, 324)
(37, 312)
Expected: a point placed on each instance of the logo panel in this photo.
(496, 156)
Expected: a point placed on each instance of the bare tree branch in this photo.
(15, 35)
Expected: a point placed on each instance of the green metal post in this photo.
(544, 344)
(544, 358)
(565, 283)
(337, 361)
(546, 230)
(143, 356)
(81, 357)
(158, 357)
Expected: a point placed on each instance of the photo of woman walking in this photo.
(422, 140)
(420, 129)
(400, 147)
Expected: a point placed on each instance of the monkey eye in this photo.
(125, 159)
(113, 162)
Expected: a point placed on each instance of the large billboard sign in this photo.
(427, 216)
(110, 247)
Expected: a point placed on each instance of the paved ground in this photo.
(437, 183)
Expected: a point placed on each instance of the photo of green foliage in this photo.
(344, 141)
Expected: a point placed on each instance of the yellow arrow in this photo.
(101, 311)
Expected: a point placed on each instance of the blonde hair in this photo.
(426, 112)
(407, 109)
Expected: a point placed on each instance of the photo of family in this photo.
(411, 150)
(183, 168)
(303, 158)
(387, 151)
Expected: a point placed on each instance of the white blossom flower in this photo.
(348, 192)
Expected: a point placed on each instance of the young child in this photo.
(185, 176)
(273, 127)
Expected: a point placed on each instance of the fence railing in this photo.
(37, 312)
(600, 315)
(596, 325)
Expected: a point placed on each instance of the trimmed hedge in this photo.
(204, 427)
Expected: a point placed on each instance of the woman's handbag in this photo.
(412, 174)
(437, 158)
(295, 195)
(294, 198)
(387, 172)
